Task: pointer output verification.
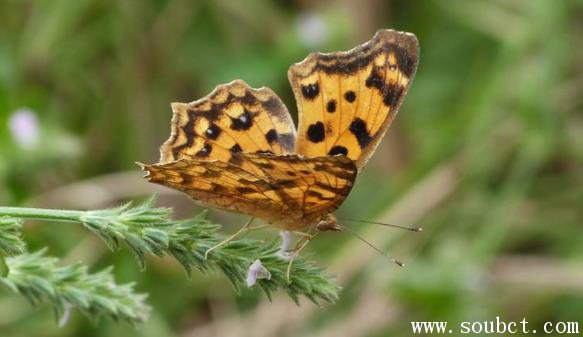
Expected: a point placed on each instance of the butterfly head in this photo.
(328, 222)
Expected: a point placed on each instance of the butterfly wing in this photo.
(315, 186)
(346, 100)
(292, 191)
(233, 118)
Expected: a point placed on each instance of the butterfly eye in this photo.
(392, 67)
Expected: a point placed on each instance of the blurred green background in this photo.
(486, 155)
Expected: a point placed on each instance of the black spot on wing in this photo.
(358, 129)
(350, 96)
(213, 113)
(213, 131)
(392, 94)
(188, 130)
(205, 151)
(331, 106)
(243, 122)
(316, 132)
(236, 148)
(248, 98)
(375, 79)
(310, 91)
(338, 149)
(271, 136)
(407, 63)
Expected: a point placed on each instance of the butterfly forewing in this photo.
(346, 100)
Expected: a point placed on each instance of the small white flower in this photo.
(311, 29)
(256, 272)
(286, 239)
(24, 128)
(66, 315)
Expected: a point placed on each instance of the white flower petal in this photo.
(286, 240)
(256, 272)
(66, 315)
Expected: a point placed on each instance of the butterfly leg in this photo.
(230, 238)
(306, 238)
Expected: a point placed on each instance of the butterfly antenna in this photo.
(368, 243)
(412, 229)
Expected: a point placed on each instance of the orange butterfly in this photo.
(237, 148)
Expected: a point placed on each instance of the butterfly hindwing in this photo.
(291, 190)
(315, 185)
(346, 100)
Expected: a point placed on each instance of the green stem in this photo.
(42, 214)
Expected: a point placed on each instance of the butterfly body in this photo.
(237, 149)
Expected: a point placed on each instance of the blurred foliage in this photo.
(38, 277)
(497, 96)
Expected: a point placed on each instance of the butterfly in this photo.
(237, 149)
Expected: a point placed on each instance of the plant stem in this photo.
(42, 214)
